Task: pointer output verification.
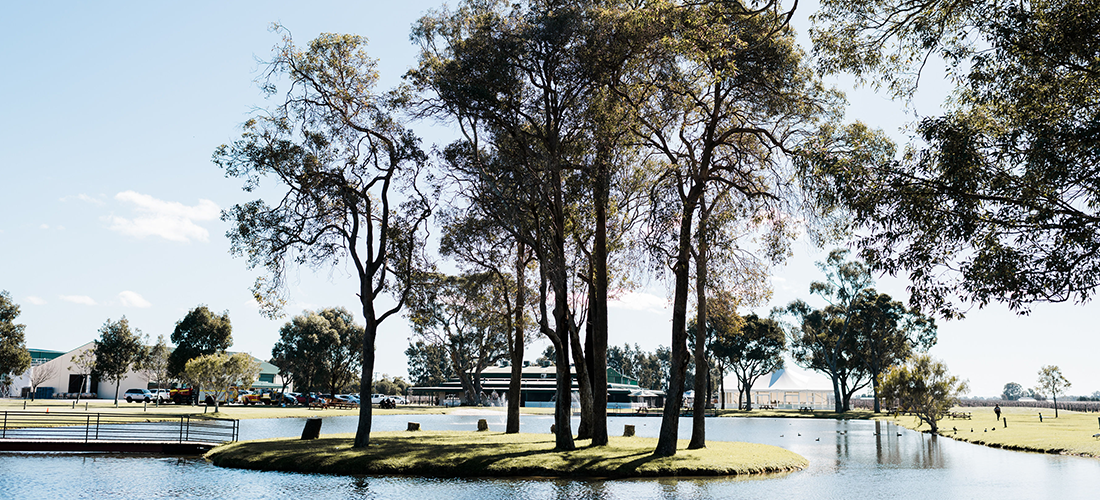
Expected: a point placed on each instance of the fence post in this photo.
(97, 426)
(181, 428)
(87, 427)
(5, 424)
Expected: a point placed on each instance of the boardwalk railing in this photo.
(116, 427)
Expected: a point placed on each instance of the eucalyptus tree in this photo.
(349, 169)
(1052, 381)
(887, 333)
(823, 339)
(14, 357)
(753, 350)
(724, 101)
(481, 245)
(924, 387)
(513, 81)
(320, 349)
(459, 314)
(995, 200)
(200, 332)
(117, 351)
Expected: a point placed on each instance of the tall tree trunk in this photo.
(463, 376)
(599, 308)
(563, 407)
(702, 369)
(514, 394)
(678, 362)
(366, 378)
(584, 385)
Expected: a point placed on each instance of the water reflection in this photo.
(875, 459)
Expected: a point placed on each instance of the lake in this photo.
(847, 458)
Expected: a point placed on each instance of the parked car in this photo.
(400, 400)
(377, 398)
(139, 395)
(161, 395)
(348, 398)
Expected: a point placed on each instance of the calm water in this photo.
(846, 459)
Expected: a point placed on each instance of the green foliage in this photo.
(219, 372)
(1051, 381)
(462, 315)
(390, 385)
(350, 172)
(320, 350)
(1012, 391)
(998, 200)
(650, 368)
(14, 357)
(924, 387)
(753, 348)
(117, 351)
(200, 332)
(153, 361)
(429, 364)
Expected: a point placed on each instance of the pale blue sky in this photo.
(108, 118)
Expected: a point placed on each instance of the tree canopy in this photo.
(923, 387)
(1051, 381)
(199, 332)
(117, 350)
(14, 357)
(320, 350)
(348, 171)
(996, 200)
(219, 372)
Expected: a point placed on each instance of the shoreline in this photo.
(447, 454)
(1072, 433)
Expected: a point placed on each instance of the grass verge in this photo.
(494, 454)
(1070, 434)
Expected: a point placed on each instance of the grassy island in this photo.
(1072, 433)
(495, 454)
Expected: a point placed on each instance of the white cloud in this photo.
(78, 299)
(639, 301)
(170, 220)
(85, 198)
(132, 299)
(38, 301)
(44, 226)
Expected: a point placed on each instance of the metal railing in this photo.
(117, 427)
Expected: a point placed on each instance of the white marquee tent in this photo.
(792, 387)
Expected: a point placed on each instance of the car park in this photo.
(139, 395)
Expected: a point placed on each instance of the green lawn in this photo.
(495, 454)
(1071, 433)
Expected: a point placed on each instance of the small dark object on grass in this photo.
(414, 426)
(482, 425)
(628, 430)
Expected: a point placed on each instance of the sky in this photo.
(110, 204)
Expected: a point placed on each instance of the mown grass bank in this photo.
(1072, 433)
(495, 454)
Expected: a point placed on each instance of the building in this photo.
(791, 387)
(538, 387)
(63, 379)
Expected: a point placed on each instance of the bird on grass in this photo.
(1097, 435)
(819, 439)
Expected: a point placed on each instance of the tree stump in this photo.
(482, 425)
(628, 431)
(312, 428)
(414, 426)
